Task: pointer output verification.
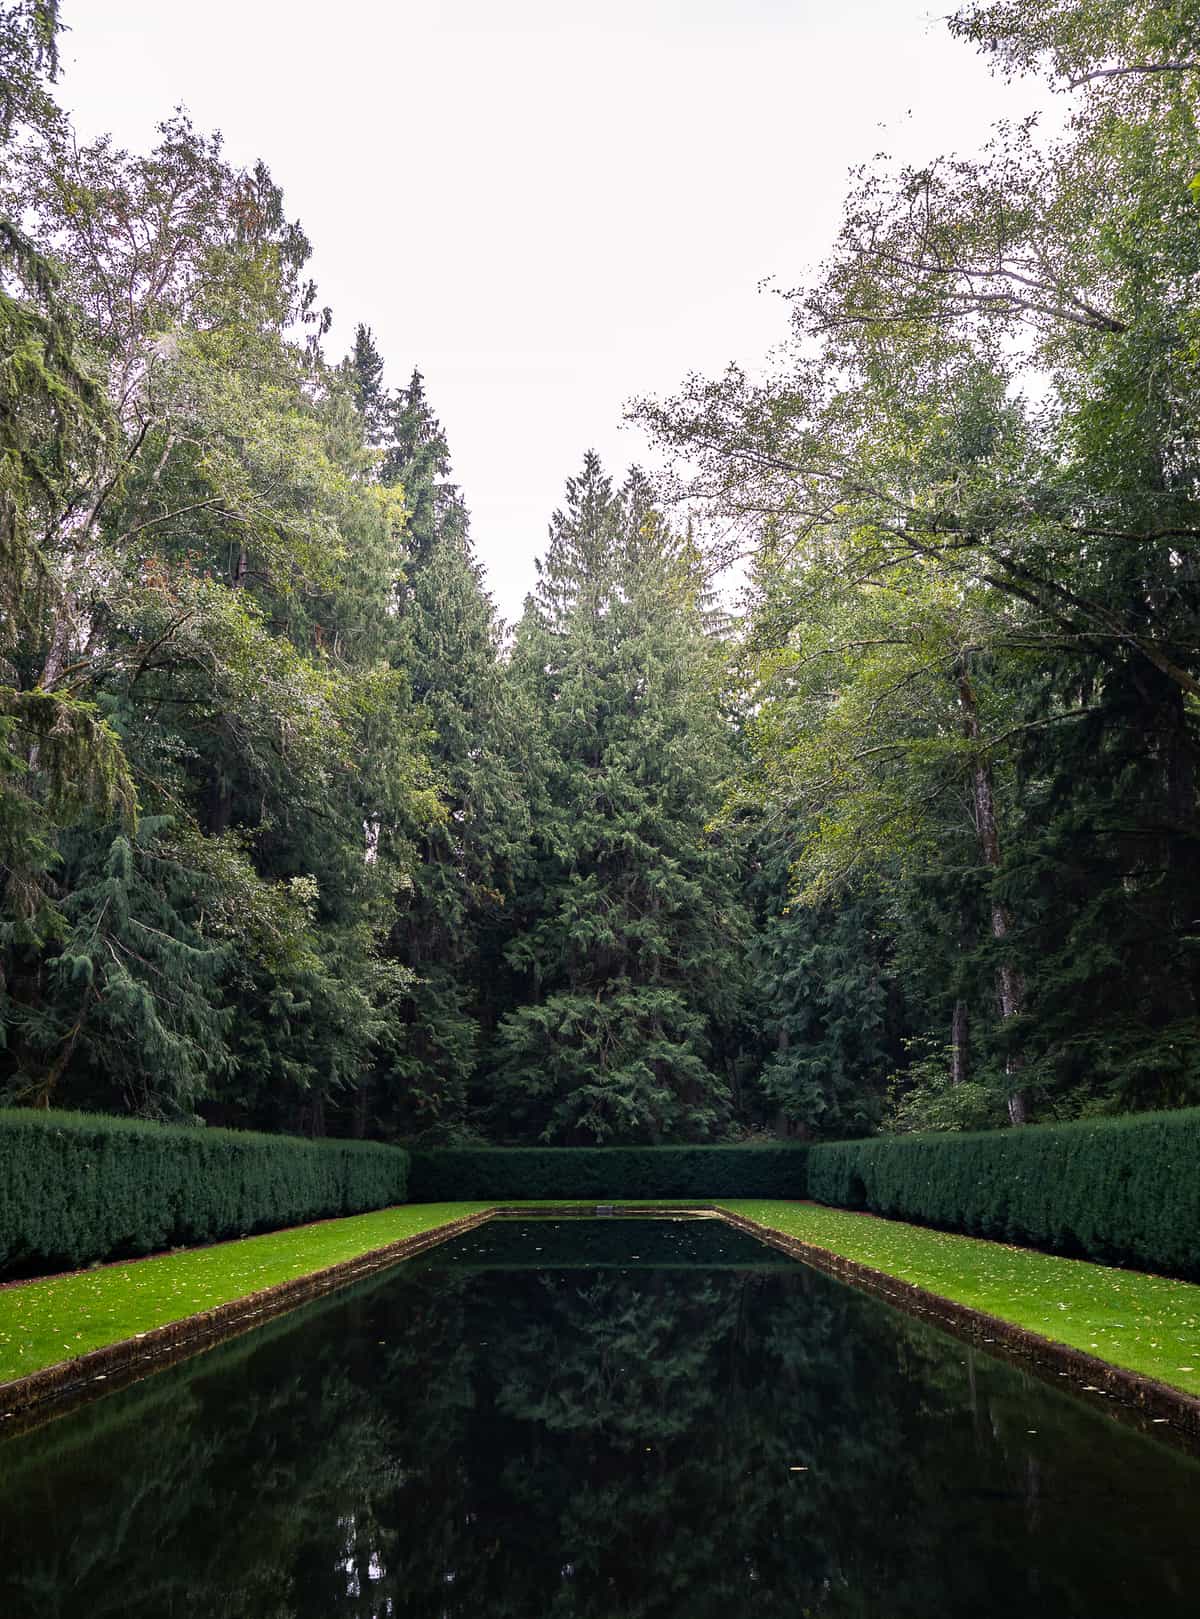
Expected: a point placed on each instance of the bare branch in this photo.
(1124, 72)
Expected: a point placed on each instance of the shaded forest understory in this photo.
(295, 834)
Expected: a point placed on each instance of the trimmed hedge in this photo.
(1122, 1191)
(508, 1174)
(78, 1187)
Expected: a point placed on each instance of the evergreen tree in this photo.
(364, 368)
(134, 991)
(463, 857)
(628, 925)
(1103, 871)
(828, 1008)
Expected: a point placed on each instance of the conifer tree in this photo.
(364, 367)
(827, 1006)
(628, 925)
(134, 990)
(463, 857)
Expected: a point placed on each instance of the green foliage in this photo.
(79, 1187)
(198, 596)
(53, 415)
(827, 1004)
(1077, 40)
(628, 926)
(970, 665)
(462, 869)
(1122, 1191)
(29, 32)
(134, 978)
(290, 837)
(925, 1097)
(514, 1174)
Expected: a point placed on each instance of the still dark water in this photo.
(600, 1419)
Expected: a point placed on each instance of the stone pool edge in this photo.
(1149, 1398)
(53, 1390)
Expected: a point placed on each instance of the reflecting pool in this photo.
(609, 1419)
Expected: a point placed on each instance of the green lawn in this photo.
(44, 1322)
(1147, 1323)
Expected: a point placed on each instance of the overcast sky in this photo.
(548, 205)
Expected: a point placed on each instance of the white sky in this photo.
(549, 205)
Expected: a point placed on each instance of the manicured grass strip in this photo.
(1149, 1324)
(60, 1317)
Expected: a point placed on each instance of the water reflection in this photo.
(703, 1430)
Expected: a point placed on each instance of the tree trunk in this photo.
(220, 788)
(52, 668)
(1180, 842)
(959, 1036)
(1010, 983)
(56, 656)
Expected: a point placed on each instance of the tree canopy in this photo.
(294, 832)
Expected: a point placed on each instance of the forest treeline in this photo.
(294, 833)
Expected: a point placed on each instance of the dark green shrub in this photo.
(1122, 1191)
(513, 1173)
(77, 1187)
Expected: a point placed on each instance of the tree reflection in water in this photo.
(535, 1423)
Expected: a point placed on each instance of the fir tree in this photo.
(364, 367)
(463, 857)
(628, 924)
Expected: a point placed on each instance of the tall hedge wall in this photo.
(513, 1173)
(77, 1187)
(1121, 1191)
